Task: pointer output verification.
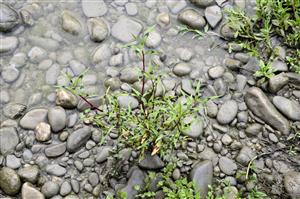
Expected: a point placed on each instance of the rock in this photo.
(103, 153)
(213, 15)
(232, 64)
(95, 101)
(8, 140)
(202, 175)
(130, 74)
(289, 108)
(50, 189)
(42, 132)
(260, 105)
(10, 182)
(226, 139)
(182, 69)
(253, 129)
(55, 150)
(192, 18)
(75, 185)
(245, 155)
(220, 87)
(277, 82)
(126, 101)
(196, 127)
(33, 117)
(70, 24)
(66, 99)
(57, 118)
(78, 138)
(36, 54)
(176, 6)
(98, 29)
(185, 54)
(212, 109)
(241, 82)
(202, 3)
(227, 166)
(94, 8)
(279, 66)
(47, 43)
(163, 19)
(101, 53)
(216, 72)
(292, 184)
(9, 18)
(151, 162)
(136, 179)
(13, 162)
(65, 188)
(14, 110)
(55, 169)
(112, 83)
(77, 67)
(125, 29)
(153, 40)
(8, 44)
(29, 174)
(227, 112)
(131, 9)
(116, 60)
(227, 32)
(30, 192)
(93, 179)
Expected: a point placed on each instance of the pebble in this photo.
(203, 3)
(196, 127)
(245, 155)
(66, 99)
(182, 69)
(42, 132)
(291, 183)
(50, 189)
(136, 179)
(176, 6)
(126, 101)
(55, 150)
(36, 54)
(98, 29)
(131, 9)
(14, 110)
(29, 192)
(9, 18)
(65, 188)
(57, 118)
(227, 112)
(9, 139)
(78, 138)
(13, 162)
(216, 72)
(192, 18)
(227, 166)
(29, 174)
(55, 169)
(94, 8)
(153, 40)
(70, 24)
(151, 162)
(277, 82)
(32, 118)
(213, 15)
(10, 182)
(289, 108)
(8, 44)
(253, 129)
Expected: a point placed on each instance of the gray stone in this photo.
(57, 118)
(47, 43)
(241, 82)
(196, 127)
(212, 109)
(33, 117)
(130, 74)
(70, 24)
(55, 150)
(36, 54)
(227, 112)
(220, 87)
(10, 182)
(52, 74)
(151, 162)
(279, 66)
(232, 64)
(94, 8)
(14, 110)
(9, 18)
(202, 175)
(245, 155)
(29, 174)
(202, 3)
(42, 132)
(185, 54)
(182, 69)
(116, 60)
(13, 162)
(227, 32)
(55, 169)
(10, 74)
(112, 83)
(50, 189)
(260, 105)
(8, 44)
(65, 188)
(78, 138)
(136, 179)
(103, 153)
(8, 140)
(213, 15)
(95, 101)
(277, 82)
(4, 97)
(131, 9)
(292, 184)
(289, 108)
(125, 29)
(66, 99)
(126, 101)
(98, 29)
(77, 67)
(153, 40)
(93, 179)
(101, 53)
(226, 139)
(30, 192)
(216, 72)
(176, 6)
(253, 129)
(227, 166)
(192, 18)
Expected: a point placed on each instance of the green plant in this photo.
(197, 33)
(265, 70)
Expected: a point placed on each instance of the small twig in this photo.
(89, 103)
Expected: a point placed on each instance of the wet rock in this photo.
(151, 162)
(57, 118)
(65, 188)
(98, 29)
(94, 8)
(125, 29)
(292, 184)
(66, 99)
(14, 110)
(227, 112)
(78, 138)
(126, 101)
(277, 82)
(253, 129)
(182, 69)
(55, 150)
(55, 169)
(202, 3)
(136, 179)
(42, 132)
(196, 127)
(227, 166)
(9, 18)
(30, 192)
(260, 105)
(192, 18)
(176, 6)
(103, 153)
(10, 182)
(8, 44)
(153, 40)
(245, 155)
(50, 189)
(8, 140)
(29, 174)
(202, 175)
(213, 15)
(289, 108)
(70, 24)
(32, 118)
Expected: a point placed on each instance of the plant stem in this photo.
(90, 104)
(144, 70)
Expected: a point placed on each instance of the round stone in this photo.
(10, 182)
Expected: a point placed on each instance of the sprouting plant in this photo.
(197, 33)
(265, 70)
